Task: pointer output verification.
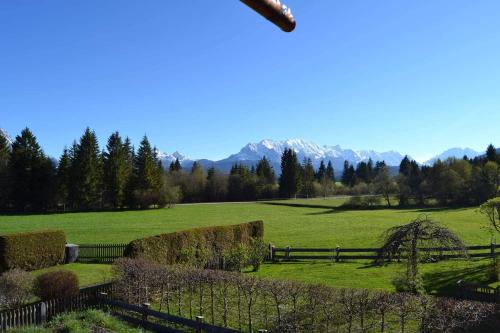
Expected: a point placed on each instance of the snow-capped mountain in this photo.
(453, 153)
(6, 135)
(273, 149)
(166, 158)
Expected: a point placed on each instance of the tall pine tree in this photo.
(4, 177)
(87, 173)
(117, 171)
(290, 179)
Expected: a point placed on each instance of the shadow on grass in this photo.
(444, 283)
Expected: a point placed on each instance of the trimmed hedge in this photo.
(209, 242)
(32, 250)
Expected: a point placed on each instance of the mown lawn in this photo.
(299, 223)
(295, 222)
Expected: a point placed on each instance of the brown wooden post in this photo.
(199, 320)
(271, 247)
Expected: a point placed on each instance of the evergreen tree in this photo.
(216, 186)
(290, 180)
(86, 172)
(31, 174)
(308, 178)
(491, 153)
(175, 166)
(4, 165)
(321, 171)
(346, 179)
(405, 166)
(64, 179)
(362, 172)
(116, 171)
(148, 178)
(265, 172)
(330, 173)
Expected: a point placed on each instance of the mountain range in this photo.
(273, 149)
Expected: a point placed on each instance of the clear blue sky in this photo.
(206, 77)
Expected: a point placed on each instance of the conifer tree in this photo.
(290, 180)
(265, 172)
(64, 179)
(148, 180)
(4, 164)
(175, 166)
(31, 174)
(86, 172)
(116, 171)
(330, 173)
(308, 178)
(321, 171)
(491, 153)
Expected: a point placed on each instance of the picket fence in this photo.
(100, 253)
(41, 312)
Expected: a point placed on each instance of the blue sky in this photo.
(207, 77)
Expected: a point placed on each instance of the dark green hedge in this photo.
(172, 248)
(31, 250)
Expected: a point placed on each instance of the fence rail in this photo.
(100, 253)
(338, 254)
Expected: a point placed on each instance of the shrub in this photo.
(180, 247)
(57, 284)
(257, 253)
(138, 280)
(16, 288)
(236, 258)
(31, 250)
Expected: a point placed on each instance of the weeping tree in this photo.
(421, 234)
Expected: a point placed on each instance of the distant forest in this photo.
(122, 177)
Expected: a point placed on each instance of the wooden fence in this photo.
(476, 292)
(138, 315)
(100, 253)
(339, 254)
(41, 312)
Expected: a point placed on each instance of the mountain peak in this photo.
(456, 152)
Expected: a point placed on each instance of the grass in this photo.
(315, 222)
(88, 274)
(299, 223)
(82, 322)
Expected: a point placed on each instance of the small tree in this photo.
(16, 288)
(491, 209)
(408, 238)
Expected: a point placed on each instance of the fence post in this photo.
(43, 313)
(287, 252)
(271, 254)
(337, 254)
(493, 250)
(145, 307)
(199, 320)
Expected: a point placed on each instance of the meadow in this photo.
(299, 223)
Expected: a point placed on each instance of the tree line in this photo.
(120, 176)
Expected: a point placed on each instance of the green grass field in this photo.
(299, 223)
